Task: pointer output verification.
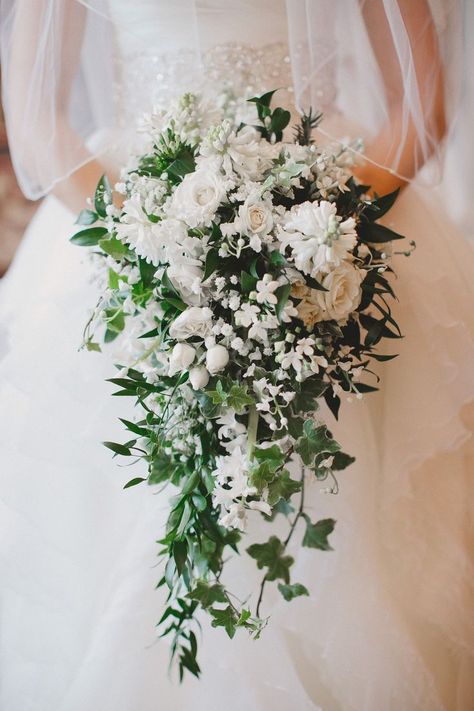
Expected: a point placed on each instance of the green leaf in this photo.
(212, 260)
(134, 482)
(183, 165)
(114, 247)
(147, 272)
(89, 237)
(306, 400)
(282, 293)
(264, 99)
(377, 234)
(279, 121)
(117, 320)
(262, 475)
(316, 534)
(270, 555)
(87, 217)
(224, 618)
(133, 427)
(272, 454)
(91, 346)
(342, 461)
(382, 358)
(313, 283)
(314, 441)
(180, 555)
(117, 448)
(381, 205)
(291, 591)
(277, 259)
(247, 282)
(103, 196)
(238, 398)
(161, 469)
(282, 487)
(207, 594)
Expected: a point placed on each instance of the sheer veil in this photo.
(358, 59)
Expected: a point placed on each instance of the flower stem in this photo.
(299, 513)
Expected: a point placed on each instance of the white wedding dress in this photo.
(387, 625)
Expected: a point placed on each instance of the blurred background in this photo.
(15, 210)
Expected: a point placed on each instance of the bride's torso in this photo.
(163, 49)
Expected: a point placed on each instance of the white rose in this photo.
(194, 321)
(217, 358)
(197, 198)
(256, 218)
(198, 377)
(342, 297)
(344, 292)
(186, 275)
(181, 358)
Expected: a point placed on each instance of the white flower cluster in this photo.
(251, 253)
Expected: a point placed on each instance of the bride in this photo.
(388, 627)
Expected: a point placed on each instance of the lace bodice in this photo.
(165, 49)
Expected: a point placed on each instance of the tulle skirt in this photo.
(387, 626)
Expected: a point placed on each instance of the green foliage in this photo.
(289, 592)
(316, 534)
(225, 618)
(207, 594)
(282, 487)
(103, 196)
(89, 237)
(270, 555)
(314, 441)
(304, 129)
(234, 396)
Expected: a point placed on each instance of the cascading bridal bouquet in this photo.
(245, 279)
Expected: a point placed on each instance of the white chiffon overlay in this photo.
(387, 626)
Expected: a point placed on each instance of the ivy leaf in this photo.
(311, 390)
(218, 396)
(238, 398)
(291, 591)
(270, 555)
(272, 454)
(224, 618)
(262, 475)
(207, 594)
(342, 461)
(89, 237)
(92, 346)
(114, 247)
(315, 441)
(282, 487)
(316, 534)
